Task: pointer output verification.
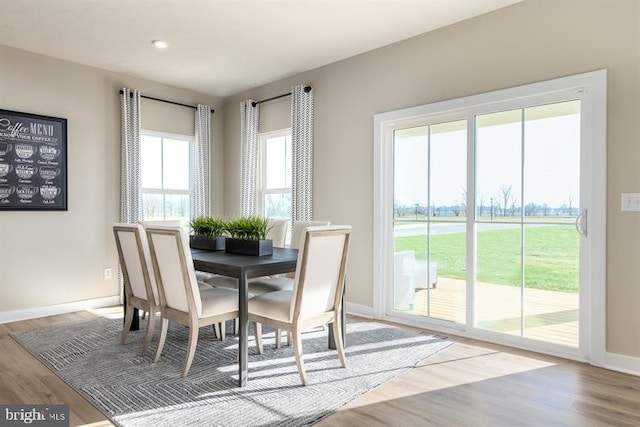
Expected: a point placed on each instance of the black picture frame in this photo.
(33, 162)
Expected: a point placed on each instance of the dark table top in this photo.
(283, 260)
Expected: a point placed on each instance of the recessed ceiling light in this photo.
(160, 44)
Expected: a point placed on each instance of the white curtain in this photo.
(200, 202)
(130, 198)
(302, 153)
(249, 122)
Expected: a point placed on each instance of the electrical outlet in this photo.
(630, 202)
(107, 273)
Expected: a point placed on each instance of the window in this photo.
(165, 176)
(274, 186)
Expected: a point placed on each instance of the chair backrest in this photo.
(298, 230)
(173, 268)
(277, 231)
(135, 261)
(322, 263)
(163, 223)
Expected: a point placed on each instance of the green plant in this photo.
(248, 228)
(208, 226)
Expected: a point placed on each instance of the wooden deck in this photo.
(549, 315)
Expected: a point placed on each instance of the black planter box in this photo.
(249, 247)
(207, 243)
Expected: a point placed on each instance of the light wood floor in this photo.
(469, 384)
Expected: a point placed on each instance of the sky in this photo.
(551, 163)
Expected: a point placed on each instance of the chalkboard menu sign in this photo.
(33, 162)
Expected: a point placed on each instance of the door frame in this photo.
(592, 89)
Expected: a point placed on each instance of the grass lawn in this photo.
(550, 256)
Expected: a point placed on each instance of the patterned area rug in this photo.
(132, 391)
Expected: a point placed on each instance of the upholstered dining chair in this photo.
(201, 276)
(298, 229)
(181, 300)
(277, 230)
(285, 281)
(139, 282)
(316, 297)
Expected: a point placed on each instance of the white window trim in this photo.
(593, 87)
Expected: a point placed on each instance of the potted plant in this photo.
(208, 233)
(247, 236)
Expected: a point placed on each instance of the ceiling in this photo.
(221, 47)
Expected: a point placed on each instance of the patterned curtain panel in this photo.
(302, 153)
(200, 202)
(130, 198)
(249, 122)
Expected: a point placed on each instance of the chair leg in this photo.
(191, 351)
(163, 336)
(223, 330)
(151, 324)
(337, 333)
(297, 351)
(279, 338)
(220, 330)
(128, 318)
(259, 337)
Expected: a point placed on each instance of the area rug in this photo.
(132, 391)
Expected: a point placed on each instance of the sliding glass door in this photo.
(485, 206)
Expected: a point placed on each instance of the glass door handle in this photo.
(581, 223)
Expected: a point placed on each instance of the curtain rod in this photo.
(307, 89)
(167, 101)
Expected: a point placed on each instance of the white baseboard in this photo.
(359, 310)
(623, 363)
(52, 310)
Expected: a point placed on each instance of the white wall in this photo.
(50, 258)
(524, 43)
